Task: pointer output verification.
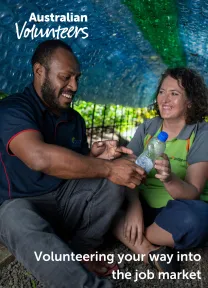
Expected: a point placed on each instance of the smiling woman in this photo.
(185, 88)
(177, 182)
(172, 100)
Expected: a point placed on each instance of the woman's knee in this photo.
(187, 221)
(196, 216)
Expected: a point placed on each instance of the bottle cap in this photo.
(162, 136)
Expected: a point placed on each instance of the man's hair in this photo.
(196, 92)
(45, 50)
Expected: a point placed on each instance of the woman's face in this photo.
(172, 100)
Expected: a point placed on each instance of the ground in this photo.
(15, 276)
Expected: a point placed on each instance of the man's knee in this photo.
(114, 194)
(20, 215)
(12, 210)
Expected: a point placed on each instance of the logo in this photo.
(177, 159)
(76, 142)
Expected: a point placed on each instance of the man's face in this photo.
(61, 80)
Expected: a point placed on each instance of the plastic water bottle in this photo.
(154, 149)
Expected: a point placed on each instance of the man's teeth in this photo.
(67, 95)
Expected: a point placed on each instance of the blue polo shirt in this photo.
(23, 112)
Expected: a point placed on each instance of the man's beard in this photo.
(49, 96)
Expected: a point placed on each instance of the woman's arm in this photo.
(193, 184)
(189, 188)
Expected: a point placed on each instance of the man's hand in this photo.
(133, 224)
(163, 169)
(108, 150)
(125, 172)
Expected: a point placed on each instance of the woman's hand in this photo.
(163, 169)
(133, 223)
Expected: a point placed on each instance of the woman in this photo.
(169, 205)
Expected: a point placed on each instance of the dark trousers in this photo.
(185, 220)
(79, 210)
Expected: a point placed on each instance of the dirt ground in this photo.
(16, 276)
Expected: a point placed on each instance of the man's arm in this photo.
(60, 162)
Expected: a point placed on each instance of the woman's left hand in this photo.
(163, 169)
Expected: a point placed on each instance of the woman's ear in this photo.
(189, 104)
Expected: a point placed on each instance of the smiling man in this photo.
(52, 78)
(52, 187)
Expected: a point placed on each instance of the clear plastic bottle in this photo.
(154, 149)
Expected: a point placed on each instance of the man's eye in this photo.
(175, 94)
(64, 78)
(161, 92)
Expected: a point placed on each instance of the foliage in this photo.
(122, 118)
(2, 95)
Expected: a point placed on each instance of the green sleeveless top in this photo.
(154, 191)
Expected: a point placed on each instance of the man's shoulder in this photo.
(15, 100)
(75, 114)
(14, 103)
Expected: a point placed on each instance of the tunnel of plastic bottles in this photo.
(123, 45)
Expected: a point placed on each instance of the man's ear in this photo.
(38, 70)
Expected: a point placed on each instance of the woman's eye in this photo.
(175, 94)
(161, 92)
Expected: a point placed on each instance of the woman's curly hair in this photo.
(196, 92)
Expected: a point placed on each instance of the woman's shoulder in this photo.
(152, 125)
(199, 149)
(203, 126)
(202, 130)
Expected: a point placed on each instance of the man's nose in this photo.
(72, 85)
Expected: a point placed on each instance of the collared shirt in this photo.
(24, 112)
(189, 147)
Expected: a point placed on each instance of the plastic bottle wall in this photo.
(129, 44)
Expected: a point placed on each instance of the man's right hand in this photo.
(126, 173)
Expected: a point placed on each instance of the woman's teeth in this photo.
(166, 107)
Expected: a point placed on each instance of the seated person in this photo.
(172, 205)
(52, 187)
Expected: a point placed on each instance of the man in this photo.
(52, 188)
